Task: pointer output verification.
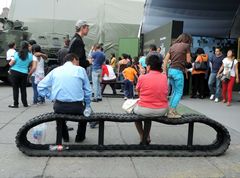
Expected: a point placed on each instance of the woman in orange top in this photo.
(198, 76)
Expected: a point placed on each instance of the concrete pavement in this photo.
(13, 164)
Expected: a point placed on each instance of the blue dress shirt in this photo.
(67, 83)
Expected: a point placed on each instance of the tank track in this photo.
(216, 148)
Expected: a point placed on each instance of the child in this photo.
(129, 75)
(38, 74)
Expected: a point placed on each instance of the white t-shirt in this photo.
(39, 72)
(227, 64)
(10, 54)
(111, 76)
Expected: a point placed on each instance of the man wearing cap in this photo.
(77, 45)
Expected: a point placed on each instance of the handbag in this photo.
(129, 105)
(200, 65)
(226, 77)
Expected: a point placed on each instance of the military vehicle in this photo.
(15, 31)
(50, 44)
(10, 31)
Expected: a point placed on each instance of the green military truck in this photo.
(10, 31)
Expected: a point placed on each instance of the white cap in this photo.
(81, 23)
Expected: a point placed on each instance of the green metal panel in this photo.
(128, 46)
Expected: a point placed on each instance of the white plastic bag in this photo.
(39, 133)
(129, 105)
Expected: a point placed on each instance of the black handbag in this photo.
(200, 65)
(226, 77)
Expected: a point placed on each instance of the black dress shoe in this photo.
(79, 138)
(26, 105)
(94, 100)
(99, 99)
(13, 106)
(65, 139)
(93, 125)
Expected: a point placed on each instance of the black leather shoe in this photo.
(93, 125)
(94, 100)
(79, 138)
(66, 139)
(99, 99)
(26, 105)
(13, 106)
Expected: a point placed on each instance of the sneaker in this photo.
(216, 100)
(125, 98)
(228, 104)
(211, 97)
(173, 115)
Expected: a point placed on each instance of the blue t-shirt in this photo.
(216, 63)
(22, 65)
(142, 61)
(98, 60)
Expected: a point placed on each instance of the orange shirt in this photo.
(200, 58)
(129, 73)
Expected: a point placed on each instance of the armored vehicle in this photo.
(50, 44)
(10, 31)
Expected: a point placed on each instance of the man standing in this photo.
(63, 51)
(98, 58)
(77, 45)
(215, 64)
(68, 86)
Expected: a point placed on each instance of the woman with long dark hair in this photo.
(19, 73)
(179, 54)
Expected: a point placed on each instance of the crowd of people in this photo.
(68, 85)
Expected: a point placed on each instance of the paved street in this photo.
(13, 164)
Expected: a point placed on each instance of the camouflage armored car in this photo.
(10, 31)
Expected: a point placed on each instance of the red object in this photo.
(153, 90)
(227, 88)
(105, 70)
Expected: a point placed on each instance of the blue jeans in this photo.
(177, 82)
(128, 89)
(96, 75)
(121, 79)
(214, 89)
(36, 97)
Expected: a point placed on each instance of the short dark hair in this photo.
(125, 56)
(154, 62)
(218, 47)
(70, 57)
(11, 44)
(98, 46)
(153, 47)
(200, 51)
(107, 62)
(32, 42)
(36, 48)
